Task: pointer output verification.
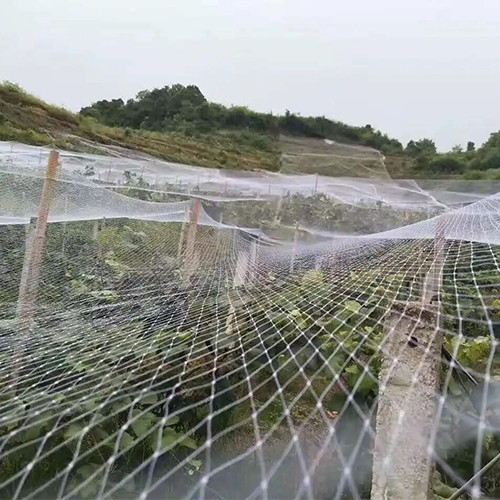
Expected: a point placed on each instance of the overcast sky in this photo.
(419, 68)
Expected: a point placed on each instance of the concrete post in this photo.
(409, 382)
(432, 282)
(239, 279)
(241, 269)
(254, 251)
(278, 209)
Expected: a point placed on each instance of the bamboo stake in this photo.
(28, 293)
(189, 262)
(294, 249)
(30, 274)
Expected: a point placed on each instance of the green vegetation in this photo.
(24, 118)
(329, 327)
(179, 108)
(177, 123)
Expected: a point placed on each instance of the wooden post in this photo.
(30, 234)
(99, 226)
(64, 227)
(220, 233)
(181, 242)
(294, 249)
(189, 261)
(31, 267)
(30, 274)
(409, 382)
(254, 251)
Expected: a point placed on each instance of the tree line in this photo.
(184, 109)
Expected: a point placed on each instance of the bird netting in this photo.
(330, 158)
(166, 345)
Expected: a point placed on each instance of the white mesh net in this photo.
(202, 342)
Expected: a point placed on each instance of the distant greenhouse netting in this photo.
(330, 158)
(145, 173)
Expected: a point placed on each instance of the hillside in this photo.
(179, 124)
(27, 119)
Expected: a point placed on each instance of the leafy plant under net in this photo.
(174, 351)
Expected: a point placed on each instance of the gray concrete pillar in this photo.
(409, 383)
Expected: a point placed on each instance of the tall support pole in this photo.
(31, 269)
(219, 236)
(180, 246)
(99, 226)
(409, 383)
(254, 251)
(278, 209)
(30, 274)
(64, 227)
(239, 279)
(194, 218)
(241, 268)
(30, 234)
(432, 282)
(294, 248)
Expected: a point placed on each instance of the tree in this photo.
(457, 149)
(423, 146)
(185, 108)
(471, 146)
(446, 164)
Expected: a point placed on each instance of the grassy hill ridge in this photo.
(178, 124)
(27, 119)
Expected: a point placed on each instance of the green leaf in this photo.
(169, 437)
(454, 387)
(195, 463)
(90, 490)
(126, 441)
(350, 305)
(352, 369)
(73, 430)
(87, 470)
(189, 442)
(90, 404)
(144, 424)
(32, 433)
(368, 384)
(149, 399)
(336, 363)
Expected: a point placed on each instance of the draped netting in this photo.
(226, 340)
